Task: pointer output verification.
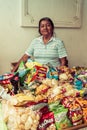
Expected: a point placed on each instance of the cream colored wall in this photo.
(14, 39)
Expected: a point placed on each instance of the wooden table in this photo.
(78, 127)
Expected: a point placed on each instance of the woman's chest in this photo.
(48, 49)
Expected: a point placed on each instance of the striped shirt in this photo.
(47, 53)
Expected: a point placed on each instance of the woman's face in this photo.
(46, 28)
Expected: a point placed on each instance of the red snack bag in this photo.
(67, 101)
(75, 113)
(42, 89)
(37, 105)
(40, 73)
(46, 120)
(5, 79)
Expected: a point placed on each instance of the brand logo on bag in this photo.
(45, 123)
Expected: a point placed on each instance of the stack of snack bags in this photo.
(41, 97)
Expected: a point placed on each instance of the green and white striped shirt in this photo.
(47, 53)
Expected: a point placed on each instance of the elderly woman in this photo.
(46, 48)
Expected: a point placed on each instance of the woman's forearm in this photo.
(64, 61)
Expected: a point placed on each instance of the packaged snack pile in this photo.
(41, 97)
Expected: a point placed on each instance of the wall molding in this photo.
(70, 18)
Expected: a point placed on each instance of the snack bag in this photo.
(31, 63)
(5, 81)
(67, 101)
(4, 94)
(75, 113)
(37, 73)
(5, 78)
(78, 84)
(83, 104)
(52, 73)
(54, 105)
(36, 105)
(42, 89)
(40, 73)
(19, 118)
(46, 119)
(23, 71)
(15, 84)
(61, 118)
(85, 115)
(29, 76)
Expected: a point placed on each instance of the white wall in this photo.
(14, 39)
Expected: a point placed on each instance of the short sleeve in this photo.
(61, 49)
(30, 49)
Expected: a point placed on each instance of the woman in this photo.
(46, 48)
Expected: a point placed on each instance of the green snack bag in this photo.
(21, 66)
(61, 118)
(23, 71)
(22, 75)
(54, 105)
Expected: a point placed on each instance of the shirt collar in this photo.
(41, 39)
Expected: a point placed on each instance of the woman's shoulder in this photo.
(58, 40)
(36, 39)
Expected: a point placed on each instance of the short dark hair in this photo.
(47, 19)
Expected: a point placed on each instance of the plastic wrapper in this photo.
(46, 119)
(5, 78)
(52, 73)
(18, 118)
(15, 84)
(4, 94)
(61, 118)
(31, 63)
(75, 113)
(67, 101)
(37, 73)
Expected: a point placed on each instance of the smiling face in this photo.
(46, 27)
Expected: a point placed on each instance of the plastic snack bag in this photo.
(46, 119)
(61, 118)
(52, 73)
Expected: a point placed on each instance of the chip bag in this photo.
(61, 119)
(46, 119)
(75, 113)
